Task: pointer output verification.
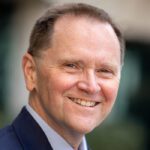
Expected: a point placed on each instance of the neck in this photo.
(71, 137)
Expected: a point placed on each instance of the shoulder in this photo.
(6, 134)
(8, 139)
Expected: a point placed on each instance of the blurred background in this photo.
(128, 126)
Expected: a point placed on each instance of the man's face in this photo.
(78, 77)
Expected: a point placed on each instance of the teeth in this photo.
(83, 102)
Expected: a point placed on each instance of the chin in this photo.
(84, 128)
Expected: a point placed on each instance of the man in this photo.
(72, 72)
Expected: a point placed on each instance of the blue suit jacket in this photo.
(23, 134)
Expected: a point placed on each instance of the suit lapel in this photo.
(29, 133)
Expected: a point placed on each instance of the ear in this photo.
(29, 70)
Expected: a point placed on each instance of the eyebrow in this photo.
(110, 66)
(67, 60)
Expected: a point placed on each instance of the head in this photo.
(72, 68)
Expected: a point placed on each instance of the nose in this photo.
(89, 83)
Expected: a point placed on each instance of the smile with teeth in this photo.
(82, 102)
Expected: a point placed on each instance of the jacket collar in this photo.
(29, 132)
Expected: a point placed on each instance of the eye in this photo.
(70, 65)
(104, 72)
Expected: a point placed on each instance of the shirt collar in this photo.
(56, 141)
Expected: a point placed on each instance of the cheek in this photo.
(110, 90)
(62, 83)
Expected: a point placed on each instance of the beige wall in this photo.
(131, 15)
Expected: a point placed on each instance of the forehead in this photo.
(70, 23)
(79, 29)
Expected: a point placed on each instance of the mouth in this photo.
(83, 102)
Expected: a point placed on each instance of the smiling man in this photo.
(72, 72)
